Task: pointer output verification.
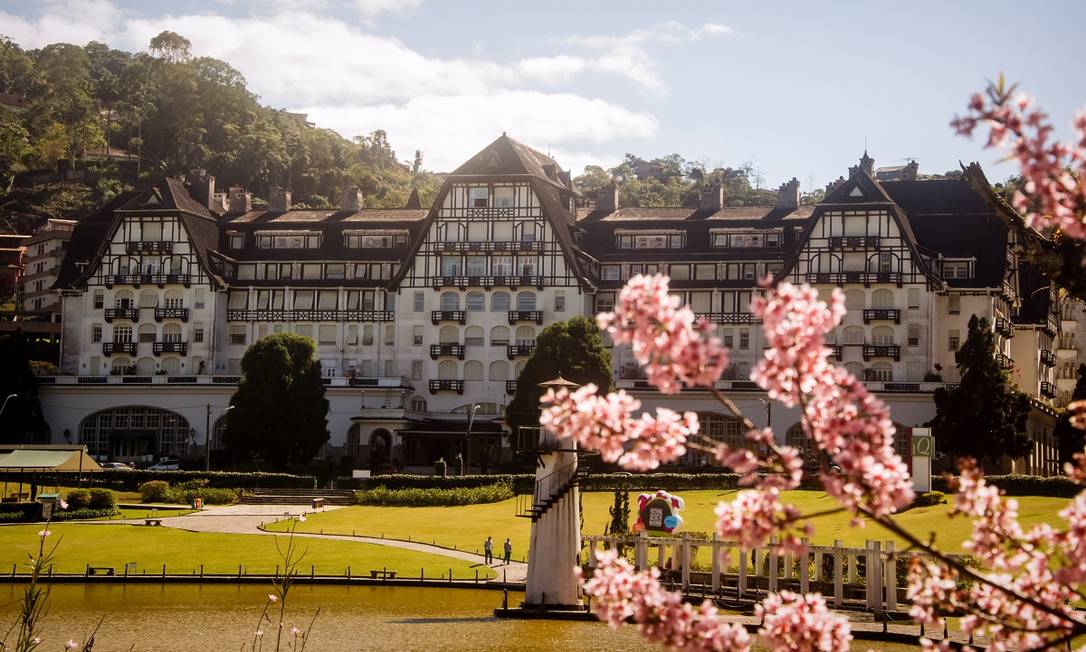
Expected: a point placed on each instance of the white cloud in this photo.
(451, 128)
(374, 7)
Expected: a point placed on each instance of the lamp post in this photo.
(467, 437)
(207, 435)
(6, 399)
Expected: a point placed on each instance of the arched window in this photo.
(825, 264)
(473, 336)
(882, 372)
(418, 404)
(882, 299)
(171, 365)
(476, 302)
(171, 332)
(121, 366)
(854, 335)
(148, 299)
(499, 302)
(147, 333)
(354, 442)
(473, 370)
(856, 369)
(446, 370)
(451, 232)
(525, 335)
(123, 299)
(520, 367)
(449, 335)
(854, 299)
(718, 427)
(499, 336)
(526, 301)
(797, 439)
(145, 366)
(146, 431)
(174, 298)
(450, 301)
(499, 370)
(882, 336)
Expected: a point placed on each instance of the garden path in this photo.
(247, 519)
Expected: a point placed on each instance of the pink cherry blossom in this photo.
(801, 623)
(673, 345)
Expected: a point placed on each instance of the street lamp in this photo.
(8, 398)
(207, 434)
(467, 438)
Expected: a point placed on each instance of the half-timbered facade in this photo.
(423, 316)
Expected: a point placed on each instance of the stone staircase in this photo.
(298, 497)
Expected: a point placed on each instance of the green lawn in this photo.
(468, 526)
(183, 551)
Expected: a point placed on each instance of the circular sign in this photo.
(671, 522)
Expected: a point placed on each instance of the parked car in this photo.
(114, 465)
(165, 464)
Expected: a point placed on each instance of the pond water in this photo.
(223, 617)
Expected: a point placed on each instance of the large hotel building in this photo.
(422, 313)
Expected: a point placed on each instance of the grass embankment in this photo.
(183, 552)
(468, 526)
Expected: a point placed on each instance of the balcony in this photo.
(131, 314)
(167, 279)
(854, 242)
(510, 387)
(446, 386)
(836, 351)
(519, 350)
(882, 351)
(446, 350)
(841, 278)
(1048, 390)
(1048, 358)
(526, 315)
(728, 318)
(150, 247)
(113, 348)
(1004, 361)
(882, 314)
(1004, 327)
(462, 282)
(171, 313)
(489, 246)
(439, 316)
(309, 315)
(158, 348)
(123, 279)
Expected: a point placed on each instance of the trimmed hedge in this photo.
(131, 479)
(1023, 485)
(159, 491)
(523, 482)
(418, 497)
(78, 499)
(79, 514)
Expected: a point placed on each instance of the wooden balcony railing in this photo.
(158, 348)
(841, 278)
(526, 315)
(882, 351)
(438, 316)
(114, 348)
(519, 350)
(150, 247)
(882, 314)
(446, 386)
(132, 314)
(854, 242)
(310, 315)
(171, 313)
(447, 350)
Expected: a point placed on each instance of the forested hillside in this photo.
(164, 112)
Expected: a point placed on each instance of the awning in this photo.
(22, 460)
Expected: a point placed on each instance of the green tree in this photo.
(620, 514)
(984, 416)
(572, 349)
(21, 421)
(1071, 440)
(280, 412)
(171, 46)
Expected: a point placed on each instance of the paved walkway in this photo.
(247, 519)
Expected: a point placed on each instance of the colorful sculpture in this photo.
(658, 513)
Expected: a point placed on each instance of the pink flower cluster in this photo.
(1054, 194)
(754, 516)
(606, 424)
(800, 623)
(620, 593)
(668, 340)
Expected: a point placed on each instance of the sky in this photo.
(798, 89)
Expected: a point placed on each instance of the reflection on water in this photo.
(221, 617)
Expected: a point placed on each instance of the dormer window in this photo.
(650, 239)
(478, 197)
(237, 240)
(957, 269)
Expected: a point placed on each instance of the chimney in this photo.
(834, 185)
(911, 170)
(240, 201)
(607, 198)
(711, 198)
(867, 164)
(279, 200)
(351, 199)
(788, 194)
(223, 200)
(202, 187)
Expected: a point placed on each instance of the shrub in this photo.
(929, 498)
(102, 499)
(418, 497)
(210, 495)
(78, 499)
(131, 479)
(523, 482)
(1026, 485)
(78, 514)
(155, 491)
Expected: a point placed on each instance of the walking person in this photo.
(488, 551)
(508, 550)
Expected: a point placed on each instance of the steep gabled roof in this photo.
(88, 239)
(506, 156)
